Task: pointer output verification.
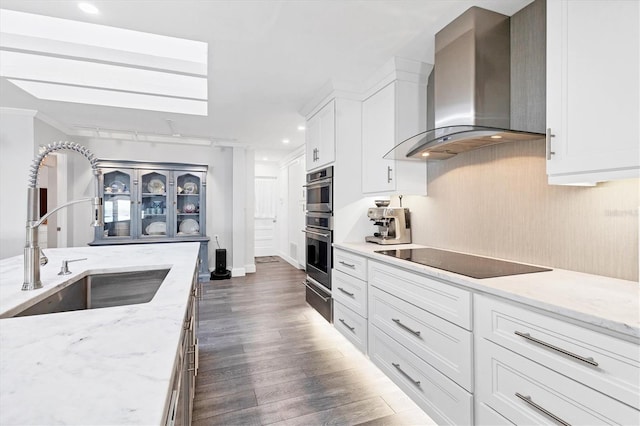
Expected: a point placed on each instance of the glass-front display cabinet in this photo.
(153, 202)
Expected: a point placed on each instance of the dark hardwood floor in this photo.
(266, 357)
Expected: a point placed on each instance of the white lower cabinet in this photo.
(349, 292)
(535, 369)
(350, 325)
(419, 335)
(442, 399)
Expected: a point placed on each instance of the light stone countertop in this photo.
(99, 366)
(607, 303)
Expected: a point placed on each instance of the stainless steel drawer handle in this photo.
(528, 400)
(527, 336)
(345, 291)
(324, 299)
(346, 325)
(397, 366)
(397, 321)
(342, 262)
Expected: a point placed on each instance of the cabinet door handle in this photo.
(397, 321)
(528, 400)
(196, 358)
(174, 408)
(549, 136)
(346, 325)
(345, 291)
(527, 336)
(389, 170)
(397, 366)
(342, 262)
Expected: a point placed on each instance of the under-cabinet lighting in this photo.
(496, 137)
(425, 154)
(285, 141)
(301, 127)
(88, 8)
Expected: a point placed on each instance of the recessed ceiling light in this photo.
(285, 141)
(265, 159)
(88, 8)
(301, 127)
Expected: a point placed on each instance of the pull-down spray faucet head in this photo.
(31, 249)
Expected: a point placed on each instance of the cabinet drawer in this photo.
(350, 325)
(350, 263)
(439, 397)
(528, 393)
(437, 297)
(445, 346)
(549, 341)
(350, 291)
(485, 416)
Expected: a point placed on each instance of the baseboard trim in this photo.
(250, 268)
(238, 272)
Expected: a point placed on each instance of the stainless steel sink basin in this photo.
(101, 291)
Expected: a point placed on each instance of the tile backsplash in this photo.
(495, 201)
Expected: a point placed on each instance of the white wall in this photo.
(17, 150)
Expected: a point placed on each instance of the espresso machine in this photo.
(394, 225)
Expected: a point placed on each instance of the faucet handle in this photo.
(64, 269)
(43, 258)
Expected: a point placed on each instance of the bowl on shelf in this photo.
(382, 203)
(189, 208)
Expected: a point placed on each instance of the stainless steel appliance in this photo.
(319, 189)
(318, 241)
(472, 90)
(394, 225)
(464, 264)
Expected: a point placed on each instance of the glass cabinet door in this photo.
(154, 203)
(188, 195)
(117, 203)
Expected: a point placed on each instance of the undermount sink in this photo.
(101, 291)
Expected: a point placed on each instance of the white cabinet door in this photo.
(389, 116)
(378, 137)
(593, 90)
(321, 136)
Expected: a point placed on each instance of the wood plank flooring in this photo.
(267, 358)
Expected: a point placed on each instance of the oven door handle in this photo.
(325, 299)
(316, 233)
(318, 182)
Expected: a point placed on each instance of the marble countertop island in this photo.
(609, 304)
(98, 366)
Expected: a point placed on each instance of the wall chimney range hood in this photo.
(471, 90)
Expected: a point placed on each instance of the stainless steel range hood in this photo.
(472, 90)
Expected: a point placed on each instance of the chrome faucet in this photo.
(32, 253)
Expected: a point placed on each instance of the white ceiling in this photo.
(267, 59)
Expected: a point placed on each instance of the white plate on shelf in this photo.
(190, 188)
(189, 226)
(156, 228)
(155, 186)
(117, 187)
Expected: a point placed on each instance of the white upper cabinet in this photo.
(593, 88)
(321, 137)
(392, 113)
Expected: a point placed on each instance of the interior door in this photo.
(266, 196)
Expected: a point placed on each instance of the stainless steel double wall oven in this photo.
(319, 237)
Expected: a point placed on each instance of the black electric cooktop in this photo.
(464, 264)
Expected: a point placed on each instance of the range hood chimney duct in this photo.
(472, 89)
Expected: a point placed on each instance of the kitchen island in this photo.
(97, 366)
